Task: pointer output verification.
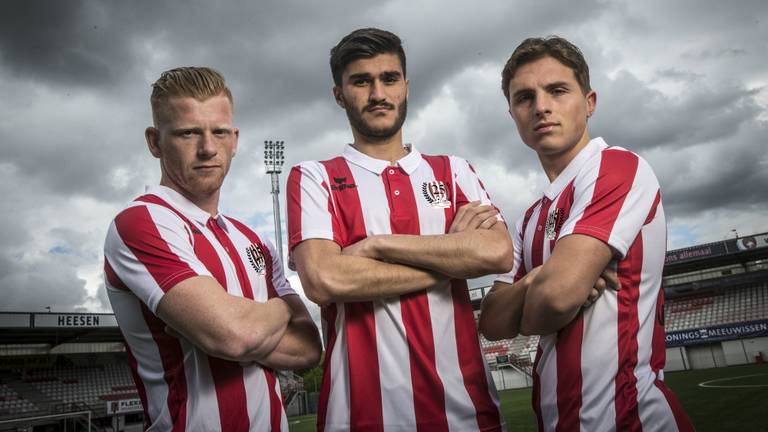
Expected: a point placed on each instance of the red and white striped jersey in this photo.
(604, 370)
(410, 362)
(157, 241)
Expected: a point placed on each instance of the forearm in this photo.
(502, 310)
(266, 325)
(299, 347)
(344, 278)
(460, 255)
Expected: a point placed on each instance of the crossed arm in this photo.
(278, 333)
(389, 265)
(550, 296)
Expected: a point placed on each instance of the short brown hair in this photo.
(364, 43)
(201, 83)
(558, 48)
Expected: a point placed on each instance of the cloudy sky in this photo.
(682, 83)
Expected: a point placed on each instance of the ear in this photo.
(152, 135)
(339, 97)
(406, 88)
(236, 131)
(591, 103)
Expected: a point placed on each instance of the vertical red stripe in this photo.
(569, 341)
(471, 358)
(614, 181)
(569, 381)
(275, 402)
(428, 391)
(268, 258)
(328, 314)
(138, 231)
(628, 325)
(536, 393)
(522, 269)
(133, 365)
(172, 359)
(293, 197)
(360, 325)
(242, 275)
(681, 418)
(537, 259)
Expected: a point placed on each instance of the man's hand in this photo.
(364, 248)
(608, 279)
(474, 216)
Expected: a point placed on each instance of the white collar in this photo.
(408, 163)
(179, 202)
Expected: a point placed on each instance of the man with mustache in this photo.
(599, 366)
(383, 238)
(200, 298)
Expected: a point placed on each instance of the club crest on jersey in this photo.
(436, 194)
(554, 223)
(256, 257)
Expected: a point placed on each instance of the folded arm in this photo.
(474, 246)
(329, 276)
(563, 284)
(224, 326)
(300, 345)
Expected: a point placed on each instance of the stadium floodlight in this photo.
(274, 157)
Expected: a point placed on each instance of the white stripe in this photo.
(316, 221)
(599, 364)
(548, 381)
(143, 347)
(202, 403)
(256, 389)
(338, 395)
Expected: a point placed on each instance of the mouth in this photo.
(545, 127)
(379, 108)
(206, 168)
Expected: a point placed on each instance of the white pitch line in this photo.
(707, 383)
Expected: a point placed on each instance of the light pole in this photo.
(273, 161)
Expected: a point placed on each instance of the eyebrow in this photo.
(387, 74)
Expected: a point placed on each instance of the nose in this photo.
(377, 92)
(207, 148)
(543, 104)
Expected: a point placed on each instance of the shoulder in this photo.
(615, 165)
(144, 215)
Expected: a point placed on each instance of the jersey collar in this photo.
(593, 147)
(408, 163)
(185, 206)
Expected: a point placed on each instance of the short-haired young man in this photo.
(200, 298)
(599, 367)
(383, 237)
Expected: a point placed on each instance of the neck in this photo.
(207, 202)
(554, 164)
(388, 149)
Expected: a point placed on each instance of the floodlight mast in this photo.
(274, 158)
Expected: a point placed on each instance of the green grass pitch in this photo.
(739, 402)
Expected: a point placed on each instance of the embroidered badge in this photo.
(436, 194)
(554, 224)
(256, 257)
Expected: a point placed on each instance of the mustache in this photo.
(372, 106)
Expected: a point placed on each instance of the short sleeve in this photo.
(518, 267)
(613, 197)
(468, 186)
(279, 281)
(149, 250)
(310, 209)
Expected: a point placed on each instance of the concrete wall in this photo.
(718, 354)
(508, 378)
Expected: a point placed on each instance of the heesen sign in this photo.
(74, 320)
(717, 333)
